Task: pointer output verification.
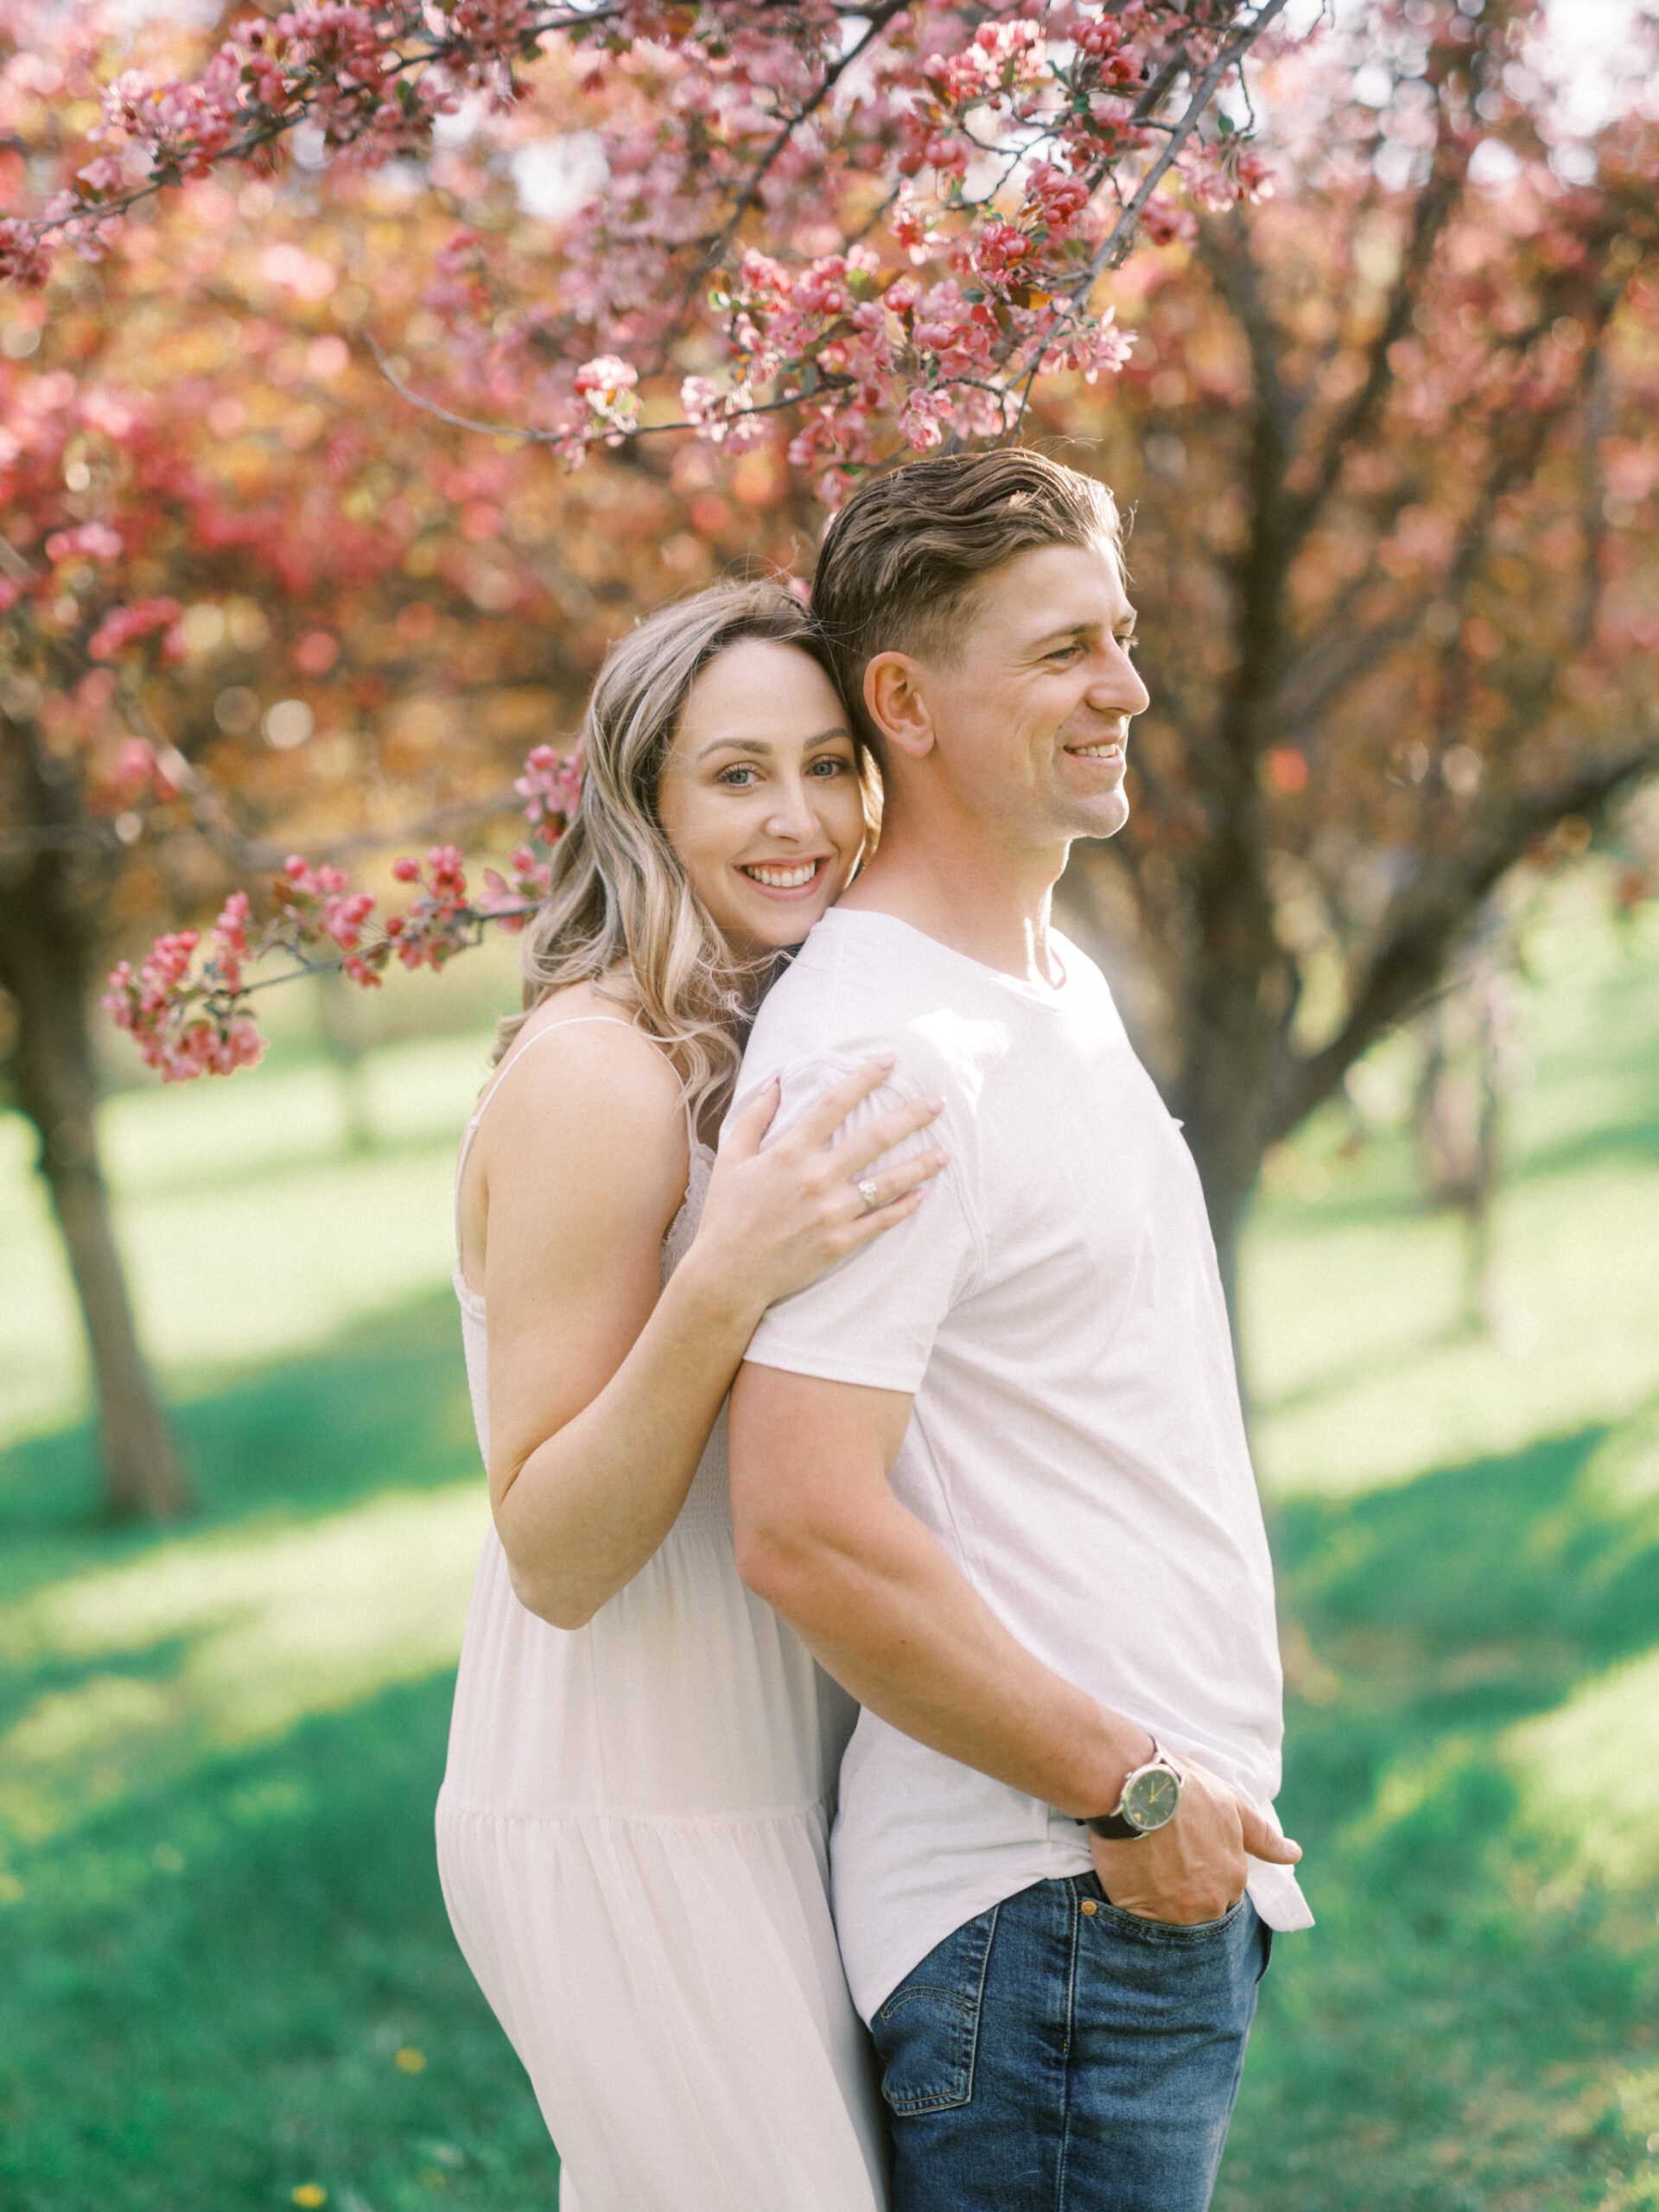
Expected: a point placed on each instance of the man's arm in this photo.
(822, 1538)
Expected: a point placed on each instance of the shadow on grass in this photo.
(385, 1405)
(246, 1986)
(1477, 1593)
(204, 1989)
(1462, 2030)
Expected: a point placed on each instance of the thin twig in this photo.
(878, 18)
(530, 436)
(1122, 231)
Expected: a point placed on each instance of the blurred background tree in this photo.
(1389, 441)
(256, 603)
(1386, 434)
(210, 496)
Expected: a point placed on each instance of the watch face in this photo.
(1151, 1799)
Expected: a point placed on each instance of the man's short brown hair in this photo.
(901, 560)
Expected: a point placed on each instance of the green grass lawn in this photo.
(225, 1971)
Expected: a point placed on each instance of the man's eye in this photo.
(1066, 652)
(1131, 643)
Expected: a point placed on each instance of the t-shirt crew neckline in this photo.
(1043, 995)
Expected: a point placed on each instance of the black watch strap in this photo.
(1114, 1828)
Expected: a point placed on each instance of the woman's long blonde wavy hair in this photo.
(619, 899)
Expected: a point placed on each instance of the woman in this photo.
(632, 1827)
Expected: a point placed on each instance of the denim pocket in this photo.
(927, 2032)
(1178, 1936)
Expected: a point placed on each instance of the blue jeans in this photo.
(1057, 2054)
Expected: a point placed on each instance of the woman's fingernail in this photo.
(937, 1104)
(885, 1060)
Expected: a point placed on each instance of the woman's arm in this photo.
(603, 1389)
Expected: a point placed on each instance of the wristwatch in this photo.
(1151, 1796)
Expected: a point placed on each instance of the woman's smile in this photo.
(785, 879)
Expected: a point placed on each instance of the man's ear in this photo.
(897, 705)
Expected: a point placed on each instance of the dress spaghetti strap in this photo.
(471, 1130)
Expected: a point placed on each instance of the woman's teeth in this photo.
(784, 878)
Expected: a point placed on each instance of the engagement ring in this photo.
(870, 1195)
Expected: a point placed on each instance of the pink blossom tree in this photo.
(885, 222)
(1390, 422)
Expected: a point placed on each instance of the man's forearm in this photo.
(877, 1599)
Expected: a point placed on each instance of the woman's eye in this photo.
(735, 779)
(830, 767)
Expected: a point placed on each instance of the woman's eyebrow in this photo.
(757, 746)
(760, 747)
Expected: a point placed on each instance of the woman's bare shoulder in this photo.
(594, 1090)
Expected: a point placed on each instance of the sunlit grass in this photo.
(250, 1227)
(1364, 1365)
(1589, 1776)
(256, 1629)
(1474, 2023)
(243, 1984)
(225, 1968)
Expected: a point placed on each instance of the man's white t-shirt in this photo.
(1076, 1445)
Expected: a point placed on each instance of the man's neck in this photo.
(955, 882)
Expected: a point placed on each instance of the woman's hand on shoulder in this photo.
(776, 1219)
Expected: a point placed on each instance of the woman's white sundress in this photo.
(633, 1839)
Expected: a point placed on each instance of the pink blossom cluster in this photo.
(318, 906)
(139, 772)
(607, 384)
(186, 1026)
(181, 129)
(438, 921)
(509, 905)
(27, 251)
(90, 541)
(551, 789)
(189, 1022)
(146, 618)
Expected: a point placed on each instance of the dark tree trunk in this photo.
(1223, 1100)
(45, 951)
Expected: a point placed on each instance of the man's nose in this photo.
(1117, 689)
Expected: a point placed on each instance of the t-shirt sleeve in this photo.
(873, 1318)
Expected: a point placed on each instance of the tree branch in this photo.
(1426, 918)
(1429, 217)
(1121, 235)
(530, 436)
(879, 17)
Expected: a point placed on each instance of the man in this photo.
(992, 1468)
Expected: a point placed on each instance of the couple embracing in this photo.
(876, 1632)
